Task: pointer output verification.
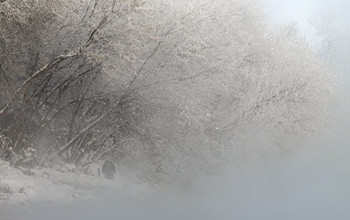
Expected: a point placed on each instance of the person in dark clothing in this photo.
(109, 169)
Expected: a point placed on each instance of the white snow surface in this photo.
(60, 184)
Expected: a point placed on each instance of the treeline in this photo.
(165, 88)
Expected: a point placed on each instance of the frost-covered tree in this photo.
(226, 71)
(57, 59)
(168, 88)
(334, 49)
(334, 43)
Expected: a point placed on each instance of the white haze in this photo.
(314, 184)
(304, 13)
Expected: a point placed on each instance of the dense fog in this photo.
(313, 184)
(311, 181)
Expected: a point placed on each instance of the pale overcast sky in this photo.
(303, 11)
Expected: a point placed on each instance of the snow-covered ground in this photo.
(20, 186)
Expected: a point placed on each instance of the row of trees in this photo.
(166, 88)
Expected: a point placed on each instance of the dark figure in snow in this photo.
(109, 169)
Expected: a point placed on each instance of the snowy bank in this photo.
(59, 184)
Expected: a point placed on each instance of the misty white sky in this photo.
(303, 11)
